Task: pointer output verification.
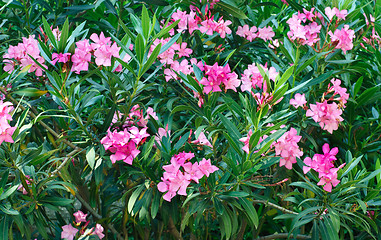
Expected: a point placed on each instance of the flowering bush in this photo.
(190, 120)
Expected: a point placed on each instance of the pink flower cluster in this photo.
(323, 164)
(69, 232)
(102, 48)
(124, 143)
(252, 77)
(217, 76)
(192, 22)
(6, 131)
(19, 55)
(305, 29)
(250, 33)
(343, 39)
(308, 32)
(328, 115)
(374, 37)
(179, 174)
(299, 100)
(287, 147)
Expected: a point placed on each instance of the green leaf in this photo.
(140, 48)
(181, 142)
(57, 201)
(227, 225)
(49, 33)
(30, 92)
(366, 95)
(249, 211)
(90, 157)
(350, 166)
(311, 82)
(150, 60)
(4, 228)
(155, 205)
(169, 43)
(236, 12)
(22, 73)
(236, 194)
(64, 36)
(134, 197)
(8, 192)
(146, 22)
(166, 30)
(230, 127)
(305, 64)
(284, 77)
(357, 86)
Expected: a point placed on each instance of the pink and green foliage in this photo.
(190, 120)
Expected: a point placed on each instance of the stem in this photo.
(242, 230)
(173, 230)
(283, 235)
(68, 157)
(96, 215)
(32, 115)
(285, 210)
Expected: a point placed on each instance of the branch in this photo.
(96, 215)
(283, 235)
(32, 115)
(172, 229)
(68, 157)
(285, 210)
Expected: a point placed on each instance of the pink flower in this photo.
(206, 167)
(327, 115)
(344, 38)
(99, 41)
(287, 147)
(222, 28)
(21, 187)
(339, 90)
(60, 57)
(80, 216)
(208, 26)
(266, 33)
(202, 140)
(252, 77)
(23, 54)
(175, 181)
(182, 49)
(330, 12)
(81, 56)
(323, 164)
(246, 141)
(246, 32)
(99, 231)
(298, 101)
(341, 14)
(68, 232)
(182, 16)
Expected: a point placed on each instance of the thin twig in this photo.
(173, 230)
(283, 235)
(32, 115)
(68, 157)
(285, 210)
(97, 216)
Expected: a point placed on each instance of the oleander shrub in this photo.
(190, 119)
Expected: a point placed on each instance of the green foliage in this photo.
(58, 163)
